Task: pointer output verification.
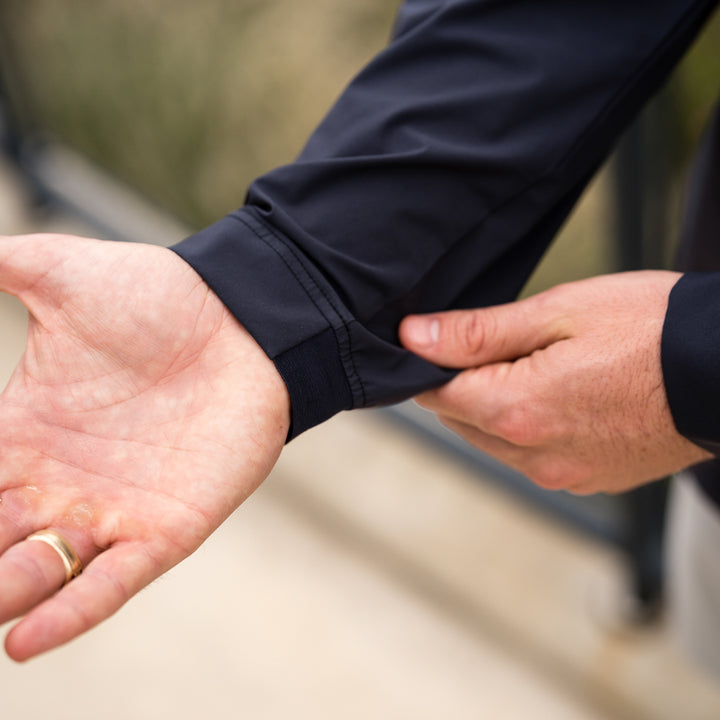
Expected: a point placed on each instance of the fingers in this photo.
(500, 409)
(467, 338)
(491, 398)
(35, 579)
(509, 454)
(107, 583)
(31, 571)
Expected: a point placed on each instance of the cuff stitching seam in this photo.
(341, 330)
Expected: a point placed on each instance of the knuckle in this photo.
(555, 302)
(520, 423)
(547, 478)
(558, 474)
(117, 591)
(555, 297)
(472, 332)
(82, 620)
(31, 568)
(511, 425)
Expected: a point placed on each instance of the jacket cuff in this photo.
(265, 284)
(691, 358)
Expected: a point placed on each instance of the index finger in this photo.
(475, 397)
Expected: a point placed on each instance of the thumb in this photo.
(468, 338)
(28, 262)
(23, 261)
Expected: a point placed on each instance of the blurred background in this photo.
(384, 570)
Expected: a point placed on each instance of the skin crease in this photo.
(140, 416)
(565, 386)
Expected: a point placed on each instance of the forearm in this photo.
(435, 182)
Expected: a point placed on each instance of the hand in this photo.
(565, 386)
(140, 416)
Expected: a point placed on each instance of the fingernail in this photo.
(422, 332)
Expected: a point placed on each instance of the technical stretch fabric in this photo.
(437, 181)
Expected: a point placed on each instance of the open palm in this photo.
(140, 416)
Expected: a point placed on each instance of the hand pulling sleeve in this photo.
(435, 182)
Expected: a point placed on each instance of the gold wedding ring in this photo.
(70, 559)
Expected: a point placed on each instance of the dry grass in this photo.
(189, 101)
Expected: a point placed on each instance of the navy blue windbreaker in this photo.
(437, 181)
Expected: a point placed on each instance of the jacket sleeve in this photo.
(435, 182)
(691, 332)
(691, 358)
